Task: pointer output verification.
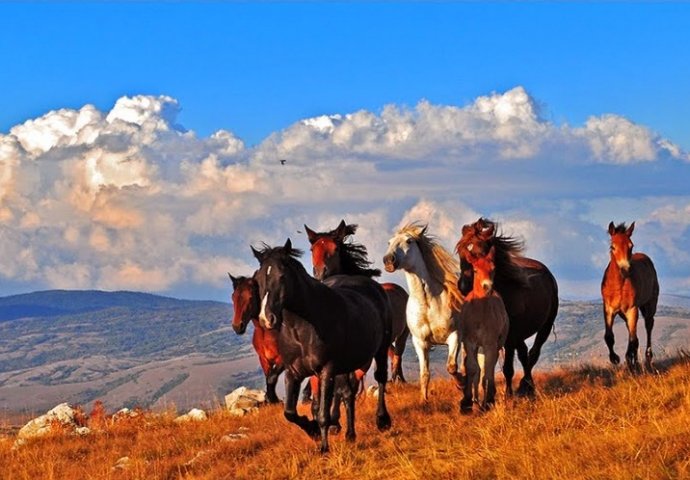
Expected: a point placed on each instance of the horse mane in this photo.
(280, 252)
(442, 265)
(507, 248)
(353, 256)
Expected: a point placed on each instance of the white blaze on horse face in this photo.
(262, 313)
(268, 270)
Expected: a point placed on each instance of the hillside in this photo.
(587, 422)
(129, 348)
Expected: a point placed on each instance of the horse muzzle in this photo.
(389, 263)
(239, 329)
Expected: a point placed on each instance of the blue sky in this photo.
(139, 142)
(256, 68)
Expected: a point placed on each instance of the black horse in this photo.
(326, 329)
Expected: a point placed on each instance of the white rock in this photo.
(62, 415)
(195, 415)
(233, 437)
(121, 464)
(373, 391)
(244, 400)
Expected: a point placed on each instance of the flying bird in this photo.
(282, 161)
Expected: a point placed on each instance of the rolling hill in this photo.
(129, 348)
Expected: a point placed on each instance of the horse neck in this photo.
(302, 300)
(422, 285)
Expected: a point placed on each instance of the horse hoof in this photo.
(323, 450)
(615, 359)
(350, 437)
(313, 430)
(383, 422)
(335, 429)
(526, 389)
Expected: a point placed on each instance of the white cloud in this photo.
(130, 199)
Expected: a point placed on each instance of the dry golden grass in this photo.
(585, 423)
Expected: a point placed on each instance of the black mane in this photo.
(507, 248)
(353, 256)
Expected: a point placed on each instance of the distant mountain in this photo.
(129, 348)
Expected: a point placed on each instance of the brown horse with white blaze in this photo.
(332, 255)
(630, 286)
(245, 304)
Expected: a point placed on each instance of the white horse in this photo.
(434, 304)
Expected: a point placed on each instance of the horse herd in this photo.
(330, 326)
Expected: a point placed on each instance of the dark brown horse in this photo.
(331, 255)
(630, 283)
(483, 324)
(528, 289)
(245, 304)
(325, 329)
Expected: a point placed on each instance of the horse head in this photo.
(403, 250)
(245, 302)
(621, 245)
(483, 269)
(325, 249)
(274, 282)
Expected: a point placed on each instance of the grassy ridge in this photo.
(586, 423)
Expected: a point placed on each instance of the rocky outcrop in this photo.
(244, 400)
(62, 418)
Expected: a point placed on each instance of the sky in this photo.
(140, 142)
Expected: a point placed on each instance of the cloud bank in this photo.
(129, 199)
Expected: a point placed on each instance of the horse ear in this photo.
(612, 228)
(257, 254)
(466, 229)
(340, 230)
(233, 280)
(288, 245)
(630, 229)
(424, 229)
(311, 234)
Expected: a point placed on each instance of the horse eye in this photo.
(409, 240)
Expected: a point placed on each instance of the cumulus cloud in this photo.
(130, 199)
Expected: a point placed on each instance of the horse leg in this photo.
(489, 379)
(422, 349)
(326, 392)
(526, 387)
(509, 369)
(453, 342)
(348, 395)
(313, 384)
(292, 385)
(383, 419)
(542, 336)
(648, 315)
(609, 315)
(471, 369)
(341, 385)
(631, 317)
(398, 350)
(271, 381)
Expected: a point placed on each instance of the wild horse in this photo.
(435, 301)
(483, 324)
(325, 329)
(245, 304)
(630, 283)
(332, 255)
(528, 289)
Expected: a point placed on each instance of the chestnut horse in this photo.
(630, 283)
(245, 304)
(528, 289)
(331, 255)
(483, 324)
(325, 329)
